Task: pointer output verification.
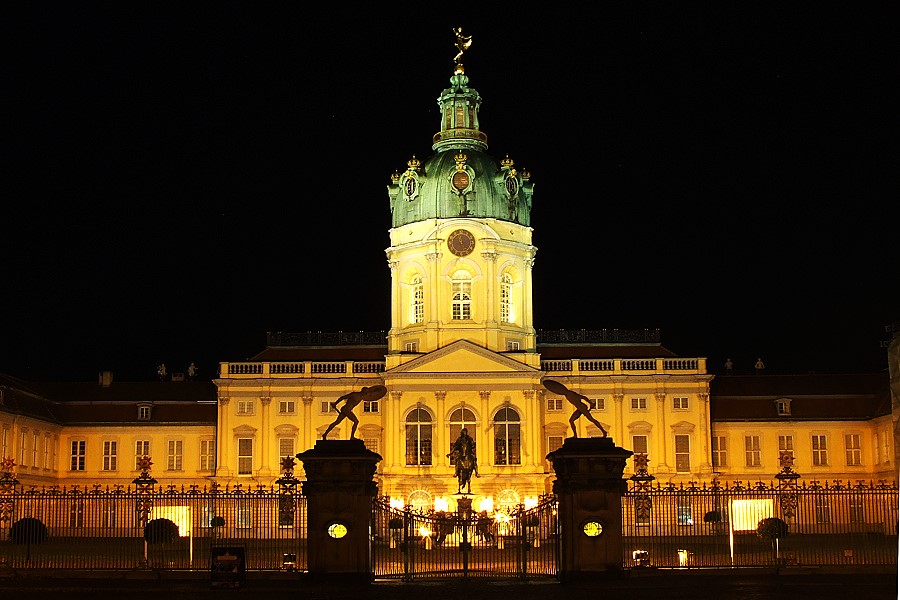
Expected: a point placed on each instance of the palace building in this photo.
(462, 351)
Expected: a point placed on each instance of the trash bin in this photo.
(227, 567)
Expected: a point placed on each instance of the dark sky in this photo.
(184, 177)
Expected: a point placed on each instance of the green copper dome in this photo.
(460, 179)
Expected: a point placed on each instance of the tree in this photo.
(772, 529)
(28, 531)
(160, 531)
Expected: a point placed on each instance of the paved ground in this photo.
(668, 585)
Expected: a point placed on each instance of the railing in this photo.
(716, 525)
(302, 369)
(81, 528)
(622, 365)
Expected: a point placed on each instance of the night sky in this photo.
(183, 177)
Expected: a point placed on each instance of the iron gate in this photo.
(521, 543)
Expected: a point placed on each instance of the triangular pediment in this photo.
(463, 356)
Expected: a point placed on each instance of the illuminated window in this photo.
(507, 437)
(207, 455)
(461, 301)
(411, 347)
(682, 454)
(417, 312)
(512, 345)
(506, 298)
(141, 449)
(108, 514)
(175, 455)
(638, 404)
(418, 437)
(110, 460)
(719, 451)
(857, 510)
(684, 510)
(245, 456)
(786, 444)
(854, 453)
(76, 514)
(78, 454)
(680, 403)
(751, 451)
(819, 450)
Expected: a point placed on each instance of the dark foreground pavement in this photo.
(662, 585)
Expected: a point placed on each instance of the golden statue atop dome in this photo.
(462, 44)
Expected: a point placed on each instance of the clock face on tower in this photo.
(461, 242)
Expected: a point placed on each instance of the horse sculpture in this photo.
(463, 454)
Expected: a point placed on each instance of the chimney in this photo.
(106, 378)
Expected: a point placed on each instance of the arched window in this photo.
(420, 501)
(461, 303)
(417, 308)
(506, 314)
(507, 437)
(459, 418)
(418, 437)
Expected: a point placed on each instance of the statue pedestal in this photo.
(589, 486)
(339, 488)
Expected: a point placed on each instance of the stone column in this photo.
(339, 488)
(589, 486)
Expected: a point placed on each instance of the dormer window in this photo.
(783, 407)
(144, 412)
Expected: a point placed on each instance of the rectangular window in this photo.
(245, 407)
(4, 442)
(783, 407)
(461, 302)
(752, 451)
(207, 455)
(244, 517)
(175, 455)
(110, 459)
(23, 447)
(143, 413)
(786, 443)
(823, 508)
(46, 443)
(141, 449)
(326, 407)
(683, 454)
(857, 512)
(286, 447)
(512, 346)
(35, 448)
(638, 404)
(245, 456)
(418, 445)
(719, 451)
(639, 444)
(685, 511)
(597, 403)
(370, 406)
(411, 347)
(680, 403)
(554, 442)
(76, 514)
(819, 450)
(78, 454)
(108, 514)
(286, 407)
(554, 404)
(854, 452)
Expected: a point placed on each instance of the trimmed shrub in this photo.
(28, 531)
(160, 531)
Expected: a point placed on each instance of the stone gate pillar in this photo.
(589, 487)
(339, 490)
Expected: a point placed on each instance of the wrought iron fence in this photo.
(150, 526)
(718, 525)
(522, 543)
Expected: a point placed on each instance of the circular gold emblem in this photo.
(461, 242)
(460, 180)
(337, 530)
(593, 529)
